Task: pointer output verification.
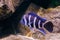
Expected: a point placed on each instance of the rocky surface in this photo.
(51, 36)
(8, 7)
(17, 37)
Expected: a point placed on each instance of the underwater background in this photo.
(12, 11)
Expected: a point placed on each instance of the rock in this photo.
(8, 7)
(52, 36)
(32, 8)
(18, 37)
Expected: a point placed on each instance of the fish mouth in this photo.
(48, 26)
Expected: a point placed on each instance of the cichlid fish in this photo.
(32, 20)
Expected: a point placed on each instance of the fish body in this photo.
(32, 20)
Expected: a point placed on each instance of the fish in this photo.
(32, 20)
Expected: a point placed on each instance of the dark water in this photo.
(10, 25)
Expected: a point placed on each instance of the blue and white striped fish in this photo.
(32, 20)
